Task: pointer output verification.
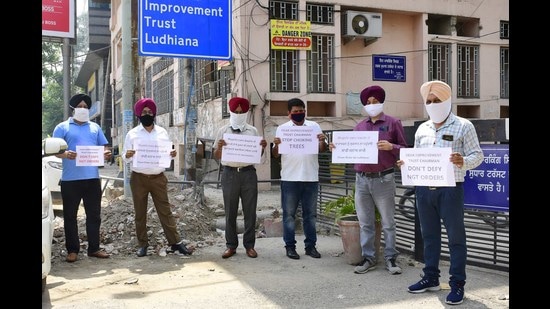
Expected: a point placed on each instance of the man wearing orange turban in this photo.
(436, 204)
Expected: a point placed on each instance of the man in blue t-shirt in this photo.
(81, 183)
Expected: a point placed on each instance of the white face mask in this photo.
(374, 109)
(237, 121)
(438, 112)
(81, 114)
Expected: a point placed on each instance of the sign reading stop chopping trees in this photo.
(290, 34)
(58, 18)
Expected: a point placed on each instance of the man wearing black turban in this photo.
(81, 182)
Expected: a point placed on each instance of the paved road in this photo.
(205, 280)
(270, 281)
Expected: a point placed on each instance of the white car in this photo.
(52, 167)
(50, 146)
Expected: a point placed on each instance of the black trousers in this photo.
(241, 185)
(89, 192)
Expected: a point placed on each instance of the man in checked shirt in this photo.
(444, 129)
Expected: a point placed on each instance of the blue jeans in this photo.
(379, 193)
(442, 204)
(294, 193)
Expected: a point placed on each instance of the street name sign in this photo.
(185, 28)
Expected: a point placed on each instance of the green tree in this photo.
(52, 88)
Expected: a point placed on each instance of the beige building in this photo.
(354, 43)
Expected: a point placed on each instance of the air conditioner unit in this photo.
(208, 90)
(362, 24)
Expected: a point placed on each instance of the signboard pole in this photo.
(127, 83)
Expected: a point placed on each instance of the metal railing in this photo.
(487, 232)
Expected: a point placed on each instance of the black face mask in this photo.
(298, 117)
(147, 120)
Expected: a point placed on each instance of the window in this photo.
(283, 9)
(163, 93)
(320, 64)
(504, 30)
(439, 62)
(148, 83)
(284, 70)
(206, 79)
(504, 73)
(183, 92)
(320, 14)
(284, 64)
(162, 64)
(468, 72)
(225, 88)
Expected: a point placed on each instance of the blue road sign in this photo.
(185, 28)
(389, 68)
(487, 186)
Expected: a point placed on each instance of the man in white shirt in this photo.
(299, 184)
(145, 180)
(239, 181)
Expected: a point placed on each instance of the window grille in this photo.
(504, 30)
(320, 14)
(504, 73)
(439, 62)
(284, 70)
(468, 71)
(320, 64)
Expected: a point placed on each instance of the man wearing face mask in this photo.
(299, 184)
(375, 183)
(81, 183)
(151, 180)
(239, 181)
(436, 204)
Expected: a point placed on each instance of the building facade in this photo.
(352, 44)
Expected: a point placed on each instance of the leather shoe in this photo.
(183, 249)
(142, 251)
(313, 252)
(72, 257)
(251, 253)
(291, 253)
(229, 252)
(100, 254)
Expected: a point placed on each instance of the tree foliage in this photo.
(52, 88)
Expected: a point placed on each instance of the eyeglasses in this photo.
(143, 113)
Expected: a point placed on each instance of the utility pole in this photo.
(66, 51)
(190, 134)
(127, 83)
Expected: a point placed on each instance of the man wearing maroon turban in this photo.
(239, 181)
(146, 180)
(375, 182)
